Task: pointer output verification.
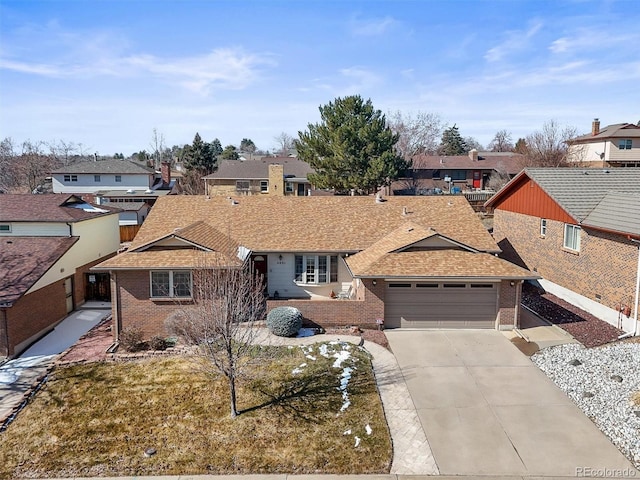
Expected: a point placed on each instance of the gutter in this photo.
(635, 331)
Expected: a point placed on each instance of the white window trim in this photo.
(625, 144)
(171, 286)
(570, 227)
(306, 259)
(289, 187)
(264, 186)
(543, 227)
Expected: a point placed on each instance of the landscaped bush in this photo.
(284, 321)
(131, 339)
(158, 342)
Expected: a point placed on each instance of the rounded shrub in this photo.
(284, 321)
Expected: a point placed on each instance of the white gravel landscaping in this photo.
(602, 382)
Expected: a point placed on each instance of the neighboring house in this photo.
(410, 261)
(615, 145)
(579, 229)
(132, 187)
(48, 243)
(453, 173)
(267, 176)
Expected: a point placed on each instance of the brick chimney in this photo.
(276, 179)
(165, 173)
(473, 154)
(595, 127)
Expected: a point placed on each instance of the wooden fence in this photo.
(127, 232)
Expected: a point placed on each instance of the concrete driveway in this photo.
(487, 410)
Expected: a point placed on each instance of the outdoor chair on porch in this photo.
(345, 293)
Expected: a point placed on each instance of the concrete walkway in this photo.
(488, 410)
(18, 376)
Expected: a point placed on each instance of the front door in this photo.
(98, 287)
(301, 192)
(260, 267)
(477, 179)
(68, 292)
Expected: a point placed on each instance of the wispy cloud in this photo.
(372, 26)
(361, 79)
(593, 38)
(515, 41)
(83, 55)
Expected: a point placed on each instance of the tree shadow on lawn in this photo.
(311, 394)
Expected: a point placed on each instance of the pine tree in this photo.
(452, 142)
(352, 148)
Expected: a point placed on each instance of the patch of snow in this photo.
(344, 382)
(347, 432)
(341, 357)
(357, 442)
(310, 357)
(298, 369)
(368, 429)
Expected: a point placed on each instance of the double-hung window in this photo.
(264, 186)
(96, 178)
(242, 185)
(543, 227)
(71, 178)
(625, 144)
(315, 269)
(118, 178)
(572, 237)
(171, 284)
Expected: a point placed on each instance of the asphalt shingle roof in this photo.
(508, 162)
(618, 130)
(54, 207)
(259, 169)
(579, 190)
(618, 212)
(23, 260)
(106, 167)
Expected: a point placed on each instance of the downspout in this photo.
(634, 331)
(70, 229)
(5, 330)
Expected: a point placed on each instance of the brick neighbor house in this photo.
(579, 229)
(48, 243)
(410, 261)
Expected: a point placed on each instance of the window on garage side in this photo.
(543, 227)
(572, 237)
(454, 285)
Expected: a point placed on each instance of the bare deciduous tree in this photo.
(158, 148)
(549, 147)
(502, 142)
(284, 143)
(419, 134)
(499, 178)
(221, 322)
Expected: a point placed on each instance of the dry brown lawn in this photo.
(98, 419)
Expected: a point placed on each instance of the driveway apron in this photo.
(487, 409)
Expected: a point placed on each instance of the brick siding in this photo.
(605, 265)
(509, 305)
(79, 286)
(33, 314)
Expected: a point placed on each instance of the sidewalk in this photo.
(18, 377)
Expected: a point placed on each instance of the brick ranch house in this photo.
(579, 229)
(412, 262)
(48, 243)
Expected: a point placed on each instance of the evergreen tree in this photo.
(352, 148)
(452, 142)
(229, 153)
(202, 156)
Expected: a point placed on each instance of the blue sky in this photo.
(106, 73)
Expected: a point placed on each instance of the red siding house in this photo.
(580, 230)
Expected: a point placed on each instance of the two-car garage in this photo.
(440, 304)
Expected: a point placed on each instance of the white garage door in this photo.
(440, 305)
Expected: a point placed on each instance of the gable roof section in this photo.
(447, 264)
(259, 169)
(578, 191)
(106, 167)
(315, 224)
(23, 260)
(617, 212)
(53, 207)
(617, 130)
(509, 162)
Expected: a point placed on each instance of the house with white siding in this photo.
(615, 145)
